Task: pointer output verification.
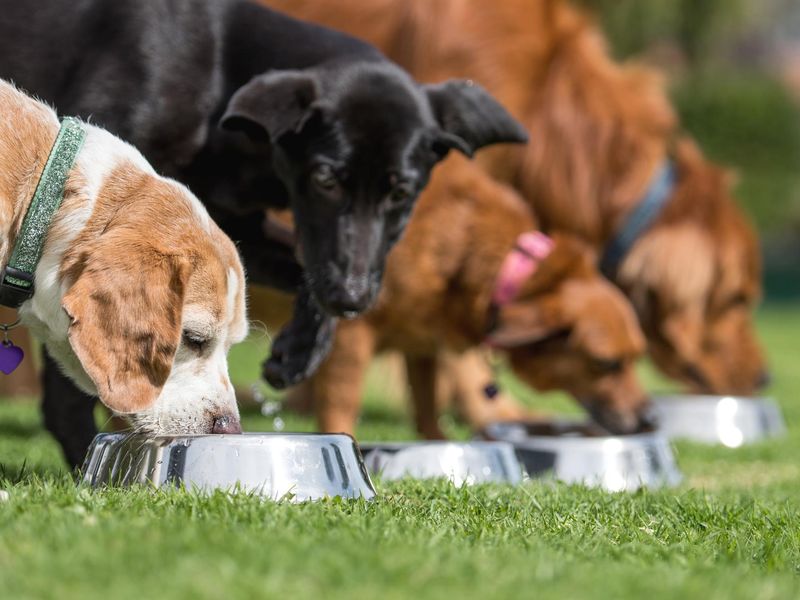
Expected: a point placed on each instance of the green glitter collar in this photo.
(16, 285)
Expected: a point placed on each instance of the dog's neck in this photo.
(497, 222)
(590, 112)
(27, 132)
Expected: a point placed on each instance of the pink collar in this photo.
(531, 248)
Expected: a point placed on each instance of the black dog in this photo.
(334, 131)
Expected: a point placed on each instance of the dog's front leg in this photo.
(301, 345)
(68, 413)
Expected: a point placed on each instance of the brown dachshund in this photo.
(455, 281)
(600, 132)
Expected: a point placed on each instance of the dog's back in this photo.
(26, 133)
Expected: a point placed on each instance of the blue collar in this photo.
(642, 217)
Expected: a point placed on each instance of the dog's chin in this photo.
(149, 424)
(344, 301)
(620, 422)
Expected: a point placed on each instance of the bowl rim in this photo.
(710, 398)
(247, 435)
(402, 445)
(639, 439)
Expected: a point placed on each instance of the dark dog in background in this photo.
(333, 131)
(604, 131)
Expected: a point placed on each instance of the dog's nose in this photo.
(226, 425)
(347, 303)
(763, 380)
(620, 421)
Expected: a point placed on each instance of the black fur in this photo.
(311, 119)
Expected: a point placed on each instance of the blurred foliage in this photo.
(633, 25)
(695, 25)
(748, 121)
(741, 116)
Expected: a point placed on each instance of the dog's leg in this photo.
(468, 377)
(301, 345)
(422, 378)
(68, 413)
(338, 385)
(300, 398)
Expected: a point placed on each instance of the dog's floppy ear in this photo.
(270, 105)
(540, 311)
(125, 324)
(470, 118)
(527, 321)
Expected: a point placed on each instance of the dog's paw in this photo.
(297, 354)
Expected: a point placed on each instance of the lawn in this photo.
(731, 531)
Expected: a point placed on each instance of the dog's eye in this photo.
(695, 375)
(737, 301)
(324, 177)
(605, 365)
(194, 340)
(401, 193)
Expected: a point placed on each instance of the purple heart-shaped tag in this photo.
(10, 357)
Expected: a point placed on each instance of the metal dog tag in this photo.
(10, 356)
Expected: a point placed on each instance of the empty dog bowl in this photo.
(293, 466)
(579, 453)
(460, 462)
(728, 420)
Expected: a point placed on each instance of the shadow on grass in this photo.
(374, 414)
(12, 474)
(19, 429)
(383, 415)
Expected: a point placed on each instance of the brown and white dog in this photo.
(452, 283)
(599, 132)
(138, 294)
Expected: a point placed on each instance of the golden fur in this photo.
(598, 131)
(567, 329)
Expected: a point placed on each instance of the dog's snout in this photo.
(635, 418)
(226, 424)
(648, 418)
(763, 380)
(348, 300)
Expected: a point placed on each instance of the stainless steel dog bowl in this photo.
(292, 466)
(579, 453)
(460, 462)
(728, 420)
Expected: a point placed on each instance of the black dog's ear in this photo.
(470, 118)
(270, 105)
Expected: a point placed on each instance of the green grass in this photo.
(731, 531)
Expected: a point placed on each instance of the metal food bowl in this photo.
(291, 466)
(728, 420)
(460, 462)
(577, 452)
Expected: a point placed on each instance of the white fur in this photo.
(198, 388)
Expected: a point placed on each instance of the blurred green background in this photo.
(734, 68)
